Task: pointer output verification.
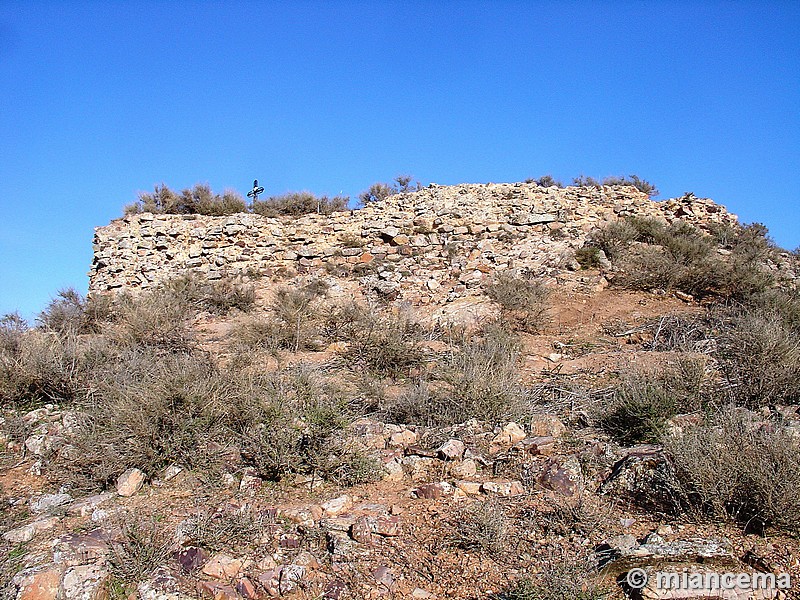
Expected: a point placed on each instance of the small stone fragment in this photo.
(130, 482)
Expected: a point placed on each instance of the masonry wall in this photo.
(438, 241)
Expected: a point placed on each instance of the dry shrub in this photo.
(477, 380)
(679, 256)
(142, 546)
(296, 312)
(483, 526)
(218, 296)
(588, 257)
(232, 527)
(157, 318)
(737, 466)
(41, 367)
(385, 344)
(197, 200)
(150, 410)
(645, 399)
(759, 351)
(71, 313)
(566, 516)
(299, 203)
(293, 323)
(524, 301)
(562, 576)
(293, 427)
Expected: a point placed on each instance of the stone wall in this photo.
(434, 243)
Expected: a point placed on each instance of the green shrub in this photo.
(524, 301)
(736, 466)
(588, 257)
(299, 203)
(645, 399)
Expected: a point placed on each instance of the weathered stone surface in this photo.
(433, 491)
(563, 476)
(43, 584)
(27, 532)
(130, 482)
(223, 566)
(509, 435)
(503, 488)
(336, 506)
(546, 426)
(490, 225)
(85, 506)
(48, 502)
(191, 558)
(451, 450)
(85, 582)
(216, 590)
(464, 468)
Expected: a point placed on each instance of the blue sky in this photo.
(101, 100)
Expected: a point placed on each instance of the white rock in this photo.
(336, 506)
(130, 482)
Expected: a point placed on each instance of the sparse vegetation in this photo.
(142, 546)
(562, 577)
(380, 191)
(483, 526)
(523, 300)
(386, 345)
(646, 399)
(197, 200)
(548, 181)
(299, 203)
(588, 257)
(650, 254)
(202, 201)
(632, 180)
(736, 466)
(476, 380)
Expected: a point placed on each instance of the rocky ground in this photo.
(469, 511)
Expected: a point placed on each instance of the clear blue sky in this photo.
(101, 100)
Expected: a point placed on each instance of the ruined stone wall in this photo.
(439, 241)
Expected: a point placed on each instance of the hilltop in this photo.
(504, 391)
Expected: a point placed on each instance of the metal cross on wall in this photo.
(255, 191)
